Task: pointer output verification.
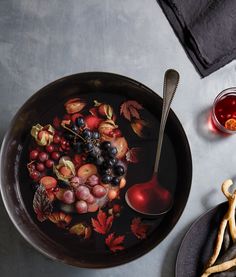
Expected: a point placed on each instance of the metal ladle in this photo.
(150, 198)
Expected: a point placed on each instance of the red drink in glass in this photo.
(224, 111)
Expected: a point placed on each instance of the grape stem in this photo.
(28, 166)
(64, 126)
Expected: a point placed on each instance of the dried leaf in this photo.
(132, 155)
(78, 229)
(114, 243)
(129, 109)
(35, 129)
(134, 113)
(43, 135)
(41, 204)
(96, 103)
(60, 219)
(135, 104)
(138, 228)
(108, 111)
(67, 163)
(103, 223)
(125, 111)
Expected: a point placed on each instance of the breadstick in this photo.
(219, 241)
(232, 202)
(219, 268)
(225, 188)
(229, 218)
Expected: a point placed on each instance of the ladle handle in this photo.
(171, 81)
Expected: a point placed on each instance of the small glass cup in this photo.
(223, 114)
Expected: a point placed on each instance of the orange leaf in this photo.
(135, 104)
(129, 109)
(134, 112)
(138, 228)
(103, 223)
(114, 243)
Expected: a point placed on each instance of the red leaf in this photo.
(130, 109)
(114, 243)
(135, 104)
(125, 111)
(41, 204)
(132, 155)
(103, 223)
(134, 112)
(138, 228)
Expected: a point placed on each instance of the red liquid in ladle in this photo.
(150, 197)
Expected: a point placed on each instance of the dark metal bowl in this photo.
(31, 112)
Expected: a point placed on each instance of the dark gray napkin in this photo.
(207, 30)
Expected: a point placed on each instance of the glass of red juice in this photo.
(224, 111)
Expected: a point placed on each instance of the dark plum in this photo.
(106, 179)
(119, 170)
(80, 122)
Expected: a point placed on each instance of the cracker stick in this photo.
(225, 188)
(219, 242)
(220, 236)
(229, 218)
(219, 268)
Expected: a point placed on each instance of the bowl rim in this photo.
(187, 153)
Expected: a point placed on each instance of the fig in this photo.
(74, 105)
(48, 182)
(87, 170)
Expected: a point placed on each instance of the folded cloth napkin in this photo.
(206, 29)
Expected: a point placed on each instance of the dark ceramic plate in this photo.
(175, 169)
(197, 245)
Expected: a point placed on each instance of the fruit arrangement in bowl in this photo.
(78, 165)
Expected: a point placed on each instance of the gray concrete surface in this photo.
(42, 40)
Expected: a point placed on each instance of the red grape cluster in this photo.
(84, 195)
(40, 161)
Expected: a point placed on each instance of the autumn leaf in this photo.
(132, 155)
(114, 243)
(81, 229)
(41, 204)
(103, 223)
(60, 219)
(134, 112)
(130, 109)
(138, 228)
